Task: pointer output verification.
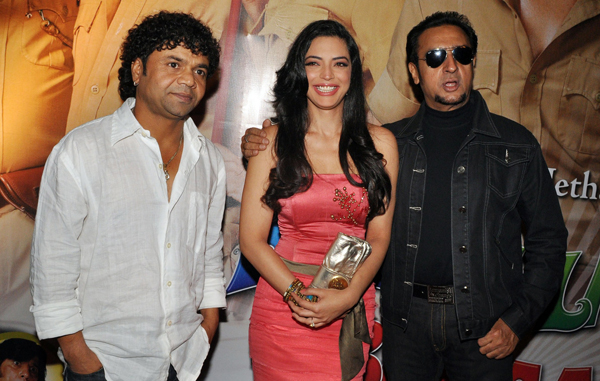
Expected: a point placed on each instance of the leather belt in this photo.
(434, 294)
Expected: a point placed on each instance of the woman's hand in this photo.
(332, 304)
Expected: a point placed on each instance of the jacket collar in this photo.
(482, 120)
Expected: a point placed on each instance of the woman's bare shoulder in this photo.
(381, 136)
(271, 132)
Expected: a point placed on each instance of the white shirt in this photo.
(112, 256)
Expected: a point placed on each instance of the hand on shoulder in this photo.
(269, 132)
(255, 140)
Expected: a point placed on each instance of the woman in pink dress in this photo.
(325, 171)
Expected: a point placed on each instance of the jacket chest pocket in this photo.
(506, 166)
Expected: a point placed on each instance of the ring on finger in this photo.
(246, 138)
(312, 323)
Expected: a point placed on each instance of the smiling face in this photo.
(448, 86)
(12, 370)
(173, 84)
(328, 72)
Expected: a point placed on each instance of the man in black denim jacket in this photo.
(458, 290)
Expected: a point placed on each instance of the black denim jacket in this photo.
(501, 193)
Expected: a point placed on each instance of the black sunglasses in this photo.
(436, 57)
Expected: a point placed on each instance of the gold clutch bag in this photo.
(344, 257)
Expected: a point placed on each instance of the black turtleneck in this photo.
(443, 134)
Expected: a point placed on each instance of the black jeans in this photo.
(96, 376)
(99, 375)
(431, 344)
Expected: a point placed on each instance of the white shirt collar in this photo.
(124, 125)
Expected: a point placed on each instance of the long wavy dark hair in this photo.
(165, 30)
(293, 173)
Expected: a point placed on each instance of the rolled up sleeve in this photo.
(56, 253)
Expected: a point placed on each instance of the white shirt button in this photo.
(169, 323)
(169, 283)
(169, 245)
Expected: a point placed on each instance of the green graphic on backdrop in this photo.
(585, 313)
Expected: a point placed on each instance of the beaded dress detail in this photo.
(281, 348)
(349, 204)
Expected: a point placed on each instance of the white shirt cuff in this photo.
(214, 293)
(57, 319)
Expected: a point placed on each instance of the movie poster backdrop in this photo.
(254, 38)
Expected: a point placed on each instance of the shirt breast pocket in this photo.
(506, 166)
(487, 74)
(579, 114)
(47, 34)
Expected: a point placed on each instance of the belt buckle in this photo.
(440, 294)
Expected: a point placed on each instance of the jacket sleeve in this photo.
(545, 245)
(56, 253)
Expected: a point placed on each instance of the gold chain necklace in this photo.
(165, 165)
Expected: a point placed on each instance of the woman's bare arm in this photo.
(256, 218)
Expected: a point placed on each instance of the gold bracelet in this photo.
(296, 291)
(293, 288)
(310, 298)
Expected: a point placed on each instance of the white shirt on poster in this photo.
(114, 257)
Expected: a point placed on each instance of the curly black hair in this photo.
(23, 350)
(165, 30)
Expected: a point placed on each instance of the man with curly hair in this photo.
(22, 359)
(127, 267)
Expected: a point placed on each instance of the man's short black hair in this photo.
(24, 350)
(435, 20)
(165, 30)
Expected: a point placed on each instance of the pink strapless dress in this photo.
(280, 347)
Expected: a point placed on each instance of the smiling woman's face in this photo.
(328, 71)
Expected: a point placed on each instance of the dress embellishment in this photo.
(349, 203)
